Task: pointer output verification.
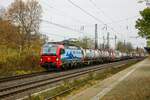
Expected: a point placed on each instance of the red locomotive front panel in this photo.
(50, 56)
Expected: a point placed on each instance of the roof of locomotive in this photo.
(62, 43)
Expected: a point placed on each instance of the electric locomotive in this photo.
(60, 56)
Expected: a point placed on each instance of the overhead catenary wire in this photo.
(100, 10)
(64, 37)
(79, 31)
(53, 34)
(89, 14)
(85, 11)
(64, 27)
(122, 20)
(61, 26)
(112, 22)
(79, 21)
(65, 14)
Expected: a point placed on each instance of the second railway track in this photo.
(17, 77)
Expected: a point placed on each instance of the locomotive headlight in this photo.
(41, 59)
(57, 59)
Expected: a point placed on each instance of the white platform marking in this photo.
(100, 95)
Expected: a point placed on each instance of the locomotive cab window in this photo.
(49, 50)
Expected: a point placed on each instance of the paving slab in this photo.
(121, 86)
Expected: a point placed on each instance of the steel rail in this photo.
(17, 77)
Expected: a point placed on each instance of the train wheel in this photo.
(65, 67)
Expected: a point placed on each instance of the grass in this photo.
(83, 82)
(14, 63)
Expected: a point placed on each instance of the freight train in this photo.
(55, 55)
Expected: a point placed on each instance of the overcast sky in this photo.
(119, 15)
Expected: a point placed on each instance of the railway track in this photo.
(7, 79)
(55, 77)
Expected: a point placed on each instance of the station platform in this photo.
(132, 83)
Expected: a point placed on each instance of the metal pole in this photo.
(108, 40)
(115, 41)
(96, 37)
(103, 42)
(124, 42)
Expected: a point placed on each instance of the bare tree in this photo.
(85, 42)
(26, 15)
(124, 47)
(9, 36)
(141, 1)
